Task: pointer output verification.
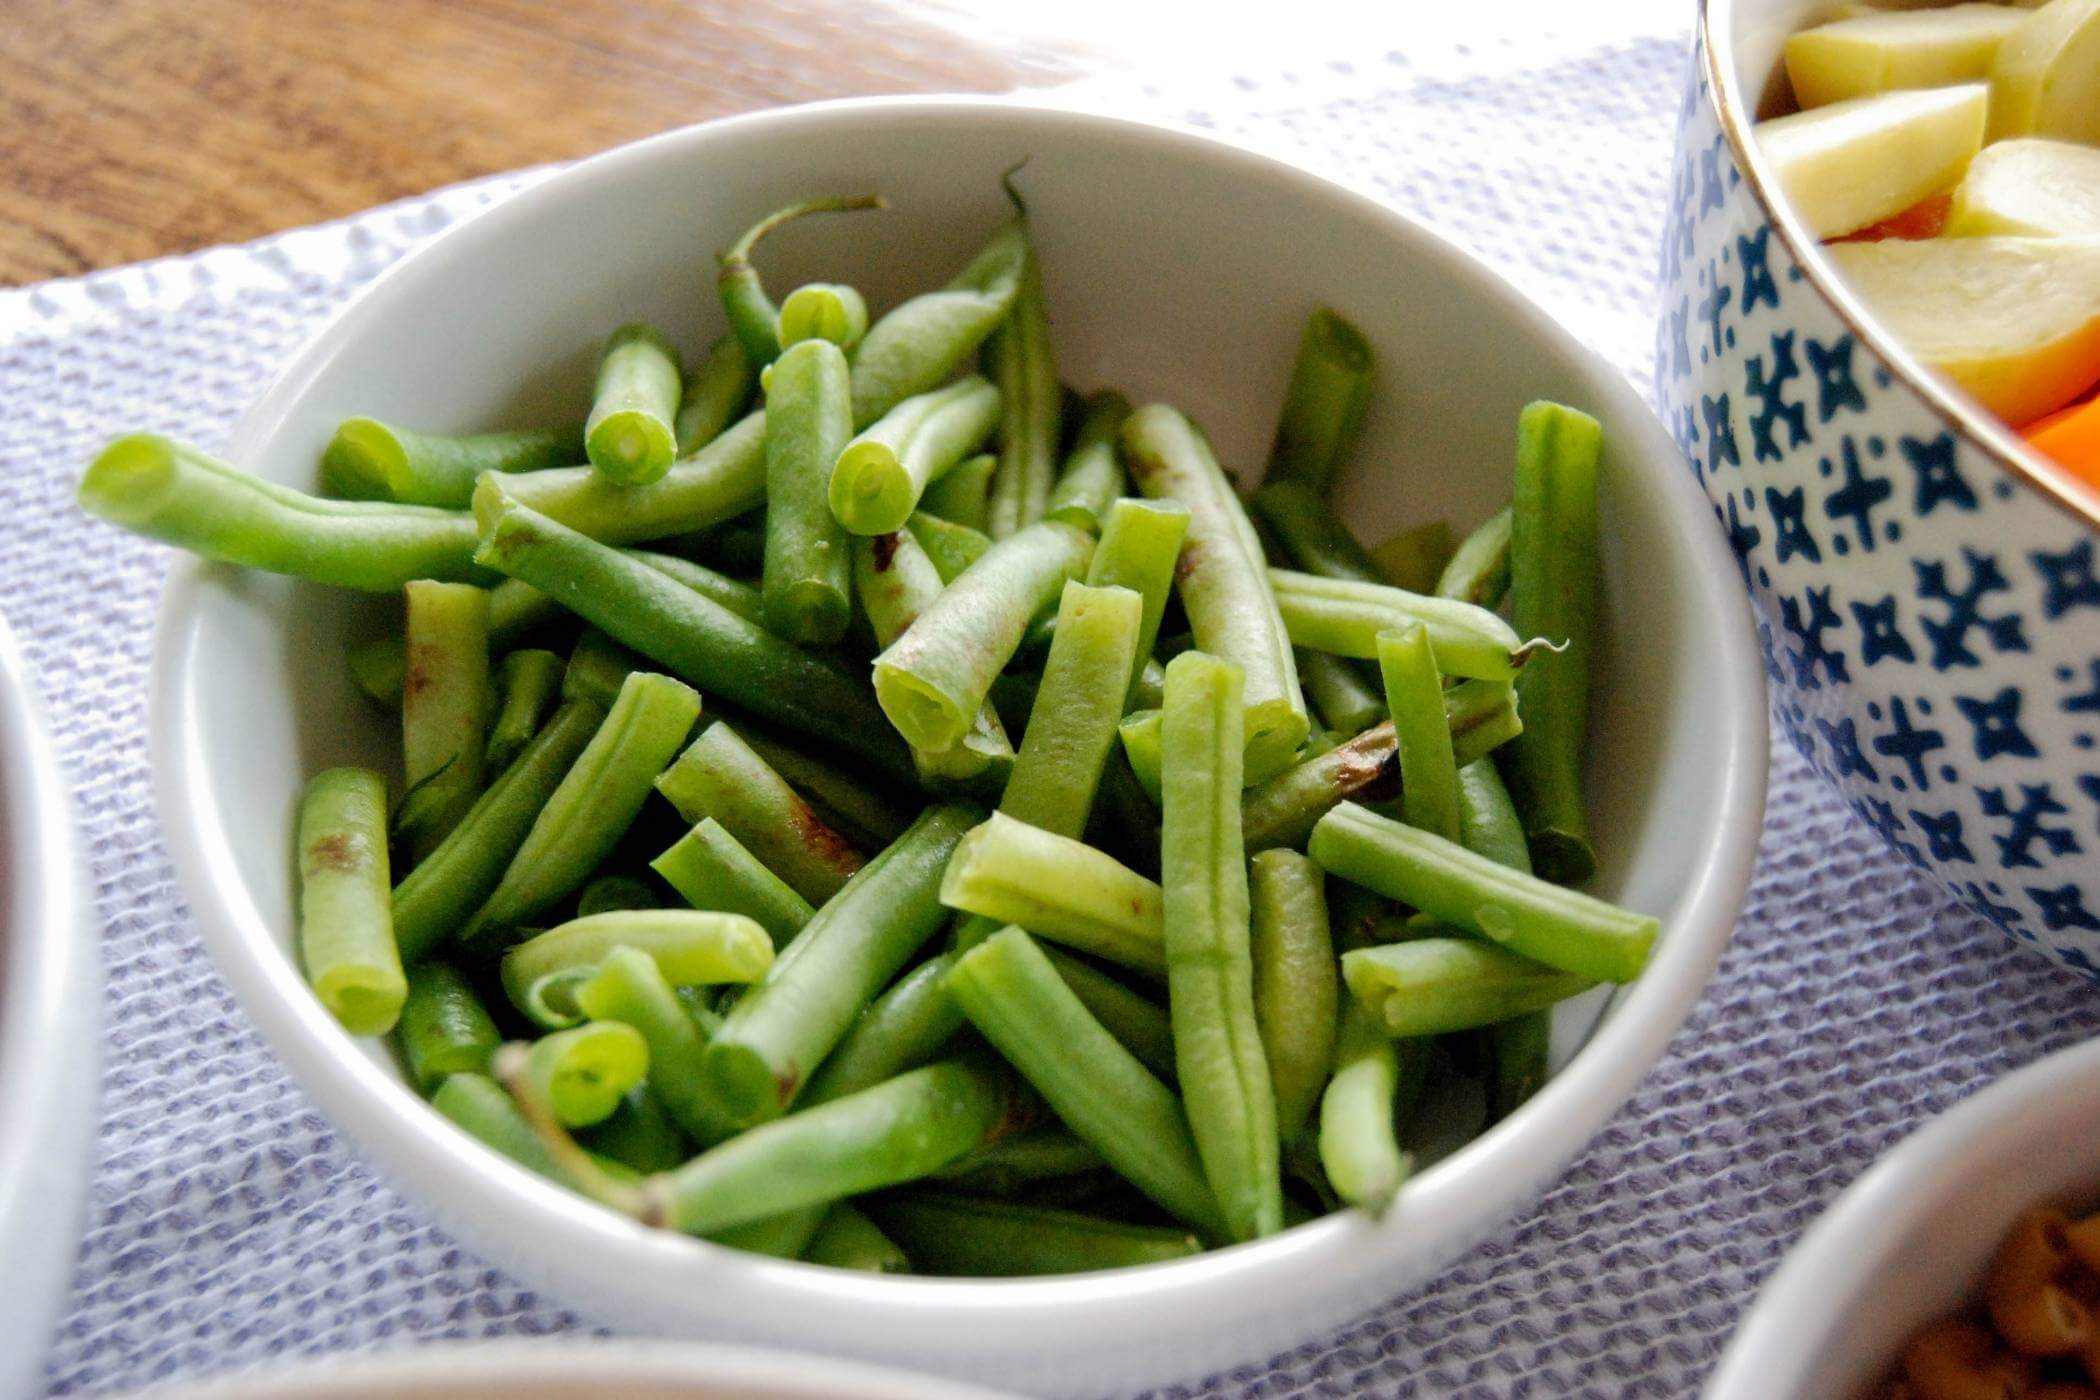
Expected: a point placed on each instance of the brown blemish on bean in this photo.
(830, 847)
(420, 671)
(787, 1081)
(335, 853)
(1188, 561)
(884, 548)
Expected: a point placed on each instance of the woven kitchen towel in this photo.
(229, 1224)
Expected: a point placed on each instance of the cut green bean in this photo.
(1414, 693)
(1434, 986)
(1221, 582)
(368, 460)
(377, 667)
(783, 1236)
(478, 1106)
(721, 776)
(1296, 986)
(632, 435)
(697, 639)
(1313, 539)
(1060, 888)
(1359, 1147)
(849, 1240)
(781, 1030)
(1562, 928)
(445, 705)
(922, 342)
(628, 989)
(1073, 725)
(862, 813)
(750, 312)
(1339, 694)
(961, 496)
(713, 870)
(598, 666)
(1140, 543)
(586, 1071)
(692, 948)
(639, 1133)
(907, 1026)
(1126, 819)
(1017, 1001)
(715, 394)
(1522, 1055)
(808, 570)
(1553, 594)
(1487, 819)
(1345, 618)
(174, 493)
(877, 479)
(1479, 571)
(1031, 403)
(952, 547)
(598, 799)
(933, 680)
(444, 1028)
(346, 928)
(824, 311)
(1415, 559)
(1093, 476)
(719, 482)
(1223, 1071)
(968, 1238)
(1011, 1165)
(616, 894)
(734, 594)
(1139, 1024)
(1324, 406)
(528, 684)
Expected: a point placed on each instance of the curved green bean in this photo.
(877, 479)
(952, 547)
(445, 705)
(616, 894)
(1031, 402)
(751, 314)
(346, 928)
(719, 482)
(479, 1106)
(713, 870)
(1433, 986)
(808, 580)
(692, 948)
(1479, 569)
(923, 341)
(715, 393)
(1072, 726)
(1296, 986)
(1011, 1165)
(444, 1029)
(829, 311)
(585, 1072)
(628, 989)
(632, 435)
(1060, 888)
(367, 460)
(957, 1235)
(1414, 693)
(961, 495)
(1359, 1148)
(1324, 405)
(528, 684)
(377, 666)
(847, 1239)
(1345, 618)
(721, 776)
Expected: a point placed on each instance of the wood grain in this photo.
(135, 128)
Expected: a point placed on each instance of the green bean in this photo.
(585, 1072)
(616, 894)
(1562, 928)
(632, 437)
(952, 547)
(692, 948)
(849, 1240)
(933, 680)
(1210, 973)
(598, 666)
(1093, 476)
(1324, 406)
(750, 311)
(861, 813)
(961, 496)
(451, 882)
(735, 546)
(719, 482)
(1060, 888)
(922, 342)
(1345, 618)
(628, 989)
(782, 1029)
(1553, 593)
(377, 666)
(1338, 692)
(178, 495)
(1479, 571)
(1031, 402)
(824, 311)
(1522, 1049)
(1011, 1165)
(720, 776)
(1281, 812)
(1312, 538)
(1073, 725)
(1126, 819)
(808, 583)
(1140, 542)
(715, 393)
(1139, 732)
(528, 683)
(1016, 1000)
(1221, 582)
(346, 930)
(697, 639)
(444, 1028)
(783, 1236)
(1415, 559)
(713, 870)
(1487, 819)
(1414, 693)
(1296, 988)
(640, 1133)
(956, 1235)
(445, 703)
(1433, 986)
(478, 1105)
(368, 460)
(1359, 1149)
(905, 1027)
(876, 480)
(1139, 1024)
(734, 594)
(598, 799)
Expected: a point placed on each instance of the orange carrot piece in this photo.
(1924, 219)
(2070, 437)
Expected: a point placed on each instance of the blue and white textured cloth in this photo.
(230, 1225)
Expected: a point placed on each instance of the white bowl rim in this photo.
(1954, 407)
(1869, 1223)
(1449, 1205)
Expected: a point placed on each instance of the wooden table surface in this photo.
(130, 129)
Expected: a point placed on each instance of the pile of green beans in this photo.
(871, 786)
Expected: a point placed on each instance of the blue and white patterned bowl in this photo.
(1928, 591)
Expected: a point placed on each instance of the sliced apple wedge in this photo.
(2031, 187)
(2045, 80)
(1858, 162)
(2015, 321)
(1897, 49)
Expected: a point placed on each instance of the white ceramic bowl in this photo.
(1177, 268)
(575, 1371)
(49, 983)
(1910, 1240)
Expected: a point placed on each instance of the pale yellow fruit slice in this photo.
(1896, 49)
(1856, 163)
(2045, 80)
(2031, 187)
(2015, 321)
